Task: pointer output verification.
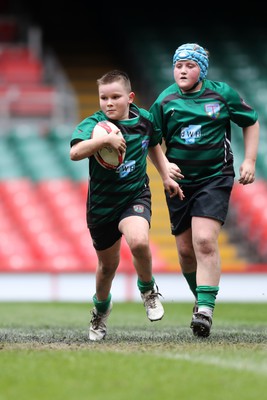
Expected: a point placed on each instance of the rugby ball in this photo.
(107, 156)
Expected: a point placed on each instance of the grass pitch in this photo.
(45, 354)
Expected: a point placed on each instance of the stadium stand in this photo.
(33, 86)
(19, 64)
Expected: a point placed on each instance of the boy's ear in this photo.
(131, 97)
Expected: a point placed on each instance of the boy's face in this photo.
(186, 74)
(115, 100)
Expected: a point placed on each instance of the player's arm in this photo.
(174, 171)
(251, 142)
(170, 185)
(86, 148)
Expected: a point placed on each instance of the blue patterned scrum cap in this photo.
(194, 52)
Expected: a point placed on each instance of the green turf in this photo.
(45, 354)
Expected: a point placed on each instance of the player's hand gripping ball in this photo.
(107, 156)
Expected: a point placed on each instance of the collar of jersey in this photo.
(193, 95)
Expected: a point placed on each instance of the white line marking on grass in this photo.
(259, 367)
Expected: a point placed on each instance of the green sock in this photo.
(102, 305)
(145, 286)
(206, 296)
(192, 282)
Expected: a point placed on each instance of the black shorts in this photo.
(206, 199)
(104, 236)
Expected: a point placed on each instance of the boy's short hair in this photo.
(114, 76)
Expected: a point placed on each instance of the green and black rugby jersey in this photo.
(110, 191)
(197, 128)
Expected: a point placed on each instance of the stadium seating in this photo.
(30, 100)
(18, 64)
(43, 228)
(32, 85)
(59, 140)
(16, 254)
(249, 210)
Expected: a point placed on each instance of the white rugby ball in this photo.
(107, 156)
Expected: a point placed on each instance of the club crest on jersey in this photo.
(191, 133)
(213, 110)
(138, 208)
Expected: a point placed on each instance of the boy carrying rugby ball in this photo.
(119, 201)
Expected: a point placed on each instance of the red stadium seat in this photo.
(68, 207)
(36, 100)
(12, 187)
(46, 226)
(58, 254)
(13, 53)
(241, 192)
(65, 203)
(83, 186)
(37, 223)
(247, 203)
(15, 253)
(261, 235)
(18, 64)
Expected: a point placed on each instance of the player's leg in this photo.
(136, 232)
(205, 241)
(187, 258)
(188, 262)
(108, 261)
(106, 241)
